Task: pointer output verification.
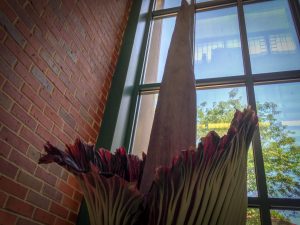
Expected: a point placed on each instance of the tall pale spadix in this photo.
(174, 125)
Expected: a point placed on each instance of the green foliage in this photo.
(280, 151)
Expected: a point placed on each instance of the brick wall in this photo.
(56, 65)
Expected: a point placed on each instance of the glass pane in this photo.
(160, 41)
(253, 216)
(285, 217)
(279, 121)
(251, 178)
(144, 123)
(164, 4)
(216, 107)
(199, 1)
(272, 39)
(217, 44)
(215, 110)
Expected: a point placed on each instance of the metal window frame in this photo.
(263, 202)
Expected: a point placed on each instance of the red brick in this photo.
(18, 52)
(60, 221)
(72, 180)
(65, 175)
(56, 81)
(58, 210)
(5, 149)
(38, 5)
(75, 114)
(77, 196)
(70, 203)
(95, 116)
(23, 221)
(29, 180)
(1, 80)
(9, 74)
(5, 101)
(69, 95)
(45, 176)
(21, 13)
(2, 34)
(33, 96)
(22, 161)
(61, 135)
(27, 76)
(96, 126)
(45, 135)
(86, 116)
(27, 33)
(7, 168)
(16, 95)
(90, 130)
(41, 77)
(66, 80)
(67, 117)
(83, 133)
(49, 60)
(8, 56)
(38, 200)
(32, 51)
(9, 120)
(40, 117)
(43, 217)
(52, 115)
(18, 206)
(69, 131)
(19, 113)
(3, 197)
(33, 153)
(7, 218)
(13, 188)
(32, 138)
(49, 99)
(52, 193)
(72, 217)
(66, 188)
(55, 169)
(11, 15)
(61, 99)
(13, 140)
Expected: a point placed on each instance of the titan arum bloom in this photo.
(206, 185)
(176, 183)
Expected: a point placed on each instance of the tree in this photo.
(280, 150)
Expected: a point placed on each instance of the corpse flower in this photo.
(176, 183)
(201, 186)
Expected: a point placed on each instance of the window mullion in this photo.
(258, 157)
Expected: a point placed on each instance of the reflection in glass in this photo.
(251, 175)
(272, 39)
(279, 121)
(217, 44)
(215, 110)
(144, 123)
(162, 31)
(253, 216)
(165, 4)
(285, 217)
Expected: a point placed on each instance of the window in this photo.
(245, 53)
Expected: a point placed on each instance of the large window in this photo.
(245, 53)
